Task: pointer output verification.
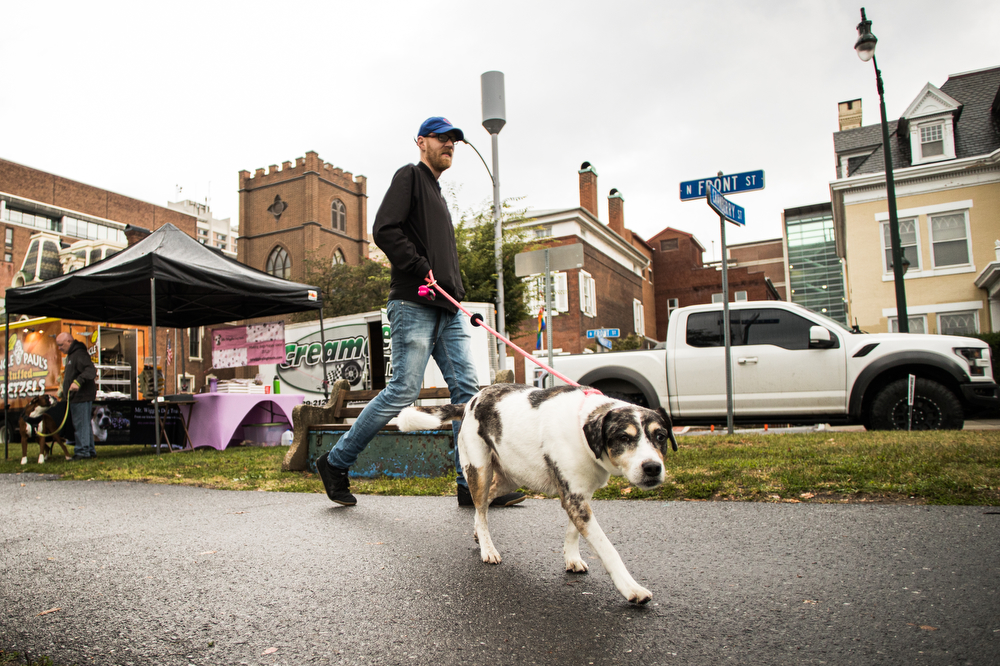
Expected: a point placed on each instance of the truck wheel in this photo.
(634, 398)
(934, 407)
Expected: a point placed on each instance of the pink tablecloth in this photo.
(218, 418)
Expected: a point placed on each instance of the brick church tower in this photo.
(312, 210)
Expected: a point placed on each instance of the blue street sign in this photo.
(725, 207)
(604, 342)
(604, 333)
(730, 184)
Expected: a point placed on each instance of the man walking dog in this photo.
(79, 390)
(413, 227)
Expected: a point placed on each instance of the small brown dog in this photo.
(35, 418)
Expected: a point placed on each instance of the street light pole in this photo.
(494, 118)
(865, 47)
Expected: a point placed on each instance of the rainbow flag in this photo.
(541, 328)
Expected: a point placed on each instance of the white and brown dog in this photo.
(564, 440)
(36, 420)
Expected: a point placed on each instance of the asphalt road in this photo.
(149, 574)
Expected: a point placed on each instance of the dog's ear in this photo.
(593, 430)
(670, 427)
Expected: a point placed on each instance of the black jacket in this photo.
(78, 366)
(413, 227)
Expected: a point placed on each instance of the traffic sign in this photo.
(729, 184)
(561, 258)
(725, 207)
(604, 333)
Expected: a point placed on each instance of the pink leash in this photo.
(477, 320)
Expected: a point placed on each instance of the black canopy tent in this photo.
(166, 279)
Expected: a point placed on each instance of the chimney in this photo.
(849, 114)
(588, 188)
(134, 234)
(616, 212)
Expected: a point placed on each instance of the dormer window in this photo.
(930, 123)
(931, 140)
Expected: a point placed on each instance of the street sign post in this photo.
(546, 260)
(730, 184)
(713, 191)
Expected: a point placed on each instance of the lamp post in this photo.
(494, 118)
(865, 46)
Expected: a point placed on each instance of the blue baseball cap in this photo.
(440, 125)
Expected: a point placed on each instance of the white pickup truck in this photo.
(792, 365)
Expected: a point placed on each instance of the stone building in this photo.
(311, 210)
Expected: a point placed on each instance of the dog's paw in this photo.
(490, 556)
(576, 566)
(640, 595)
(24, 460)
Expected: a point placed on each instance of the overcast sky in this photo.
(140, 98)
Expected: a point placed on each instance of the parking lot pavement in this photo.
(133, 574)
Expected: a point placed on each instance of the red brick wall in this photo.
(55, 190)
(615, 287)
(681, 274)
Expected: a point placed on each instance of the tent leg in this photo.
(156, 406)
(6, 381)
(322, 342)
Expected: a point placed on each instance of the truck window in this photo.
(767, 326)
(704, 329)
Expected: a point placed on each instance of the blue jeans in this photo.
(418, 332)
(83, 442)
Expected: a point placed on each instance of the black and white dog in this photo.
(564, 440)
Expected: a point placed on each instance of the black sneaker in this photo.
(510, 499)
(336, 482)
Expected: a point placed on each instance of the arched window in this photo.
(338, 257)
(338, 214)
(279, 264)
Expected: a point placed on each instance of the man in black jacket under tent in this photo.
(413, 227)
(79, 389)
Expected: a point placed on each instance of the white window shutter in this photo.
(562, 292)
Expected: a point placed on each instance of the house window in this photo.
(741, 296)
(536, 293)
(194, 343)
(9, 237)
(338, 213)
(909, 242)
(949, 240)
(668, 245)
(279, 264)
(543, 232)
(672, 304)
(203, 232)
(8, 257)
(338, 257)
(917, 324)
(958, 323)
(638, 317)
(931, 141)
(588, 294)
(717, 297)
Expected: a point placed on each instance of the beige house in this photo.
(946, 158)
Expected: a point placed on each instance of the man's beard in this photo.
(438, 161)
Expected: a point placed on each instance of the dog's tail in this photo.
(429, 418)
